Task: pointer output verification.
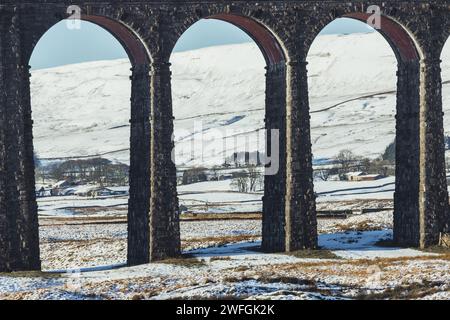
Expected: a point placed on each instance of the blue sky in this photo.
(61, 46)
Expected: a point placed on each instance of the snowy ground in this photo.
(84, 258)
(220, 197)
(84, 248)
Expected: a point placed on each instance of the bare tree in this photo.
(241, 183)
(323, 174)
(260, 181)
(215, 172)
(253, 176)
(248, 181)
(345, 159)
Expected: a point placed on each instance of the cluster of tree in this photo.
(389, 153)
(346, 161)
(239, 160)
(97, 170)
(194, 175)
(249, 180)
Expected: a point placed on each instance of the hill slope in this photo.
(83, 109)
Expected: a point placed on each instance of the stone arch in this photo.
(402, 40)
(407, 216)
(139, 176)
(267, 40)
(268, 44)
(136, 49)
(275, 57)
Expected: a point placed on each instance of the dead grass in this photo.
(404, 292)
(306, 285)
(82, 220)
(359, 227)
(185, 261)
(220, 259)
(221, 216)
(31, 274)
(219, 241)
(314, 254)
(437, 249)
(272, 279)
(81, 242)
(357, 267)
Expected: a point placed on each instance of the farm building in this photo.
(361, 176)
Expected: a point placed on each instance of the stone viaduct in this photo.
(284, 30)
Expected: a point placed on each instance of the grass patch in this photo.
(268, 279)
(405, 292)
(220, 216)
(219, 241)
(185, 261)
(219, 259)
(437, 249)
(289, 280)
(359, 227)
(314, 254)
(31, 274)
(359, 263)
(389, 243)
(306, 285)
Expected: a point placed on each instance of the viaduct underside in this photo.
(284, 30)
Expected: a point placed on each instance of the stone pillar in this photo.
(433, 195)
(273, 224)
(406, 198)
(301, 219)
(28, 224)
(7, 218)
(139, 202)
(19, 209)
(164, 211)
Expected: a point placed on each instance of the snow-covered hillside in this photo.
(84, 109)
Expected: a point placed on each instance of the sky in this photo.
(62, 45)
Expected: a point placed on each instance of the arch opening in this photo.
(401, 42)
(137, 52)
(219, 103)
(82, 125)
(265, 40)
(129, 41)
(353, 101)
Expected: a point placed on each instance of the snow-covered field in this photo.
(84, 248)
(221, 260)
(221, 197)
(84, 109)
